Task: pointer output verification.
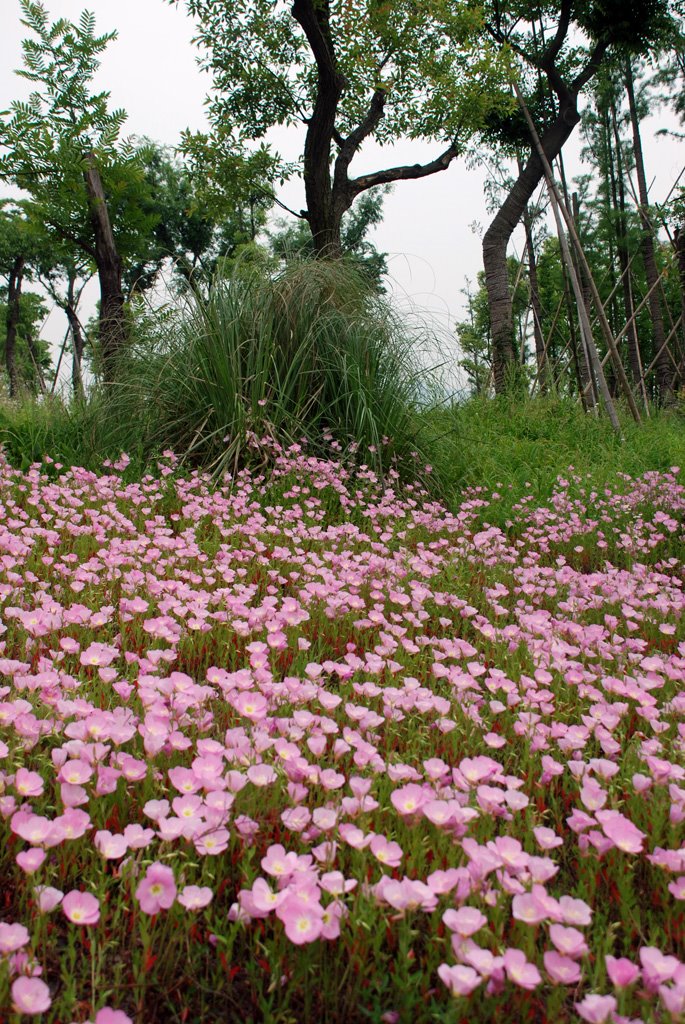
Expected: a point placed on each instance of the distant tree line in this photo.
(509, 82)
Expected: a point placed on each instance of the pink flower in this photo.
(673, 998)
(547, 838)
(12, 937)
(157, 890)
(111, 847)
(561, 969)
(195, 897)
(522, 973)
(574, 911)
(386, 852)
(108, 1016)
(303, 919)
(251, 705)
(568, 941)
(623, 834)
(30, 995)
(211, 844)
(408, 800)
(622, 972)
(677, 888)
(81, 907)
(279, 863)
(48, 898)
(28, 783)
(459, 979)
(525, 907)
(657, 968)
(465, 922)
(30, 860)
(330, 921)
(75, 772)
(596, 1009)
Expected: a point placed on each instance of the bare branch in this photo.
(406, 172)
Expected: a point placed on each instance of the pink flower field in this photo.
(314, 748)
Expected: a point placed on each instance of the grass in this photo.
(311, 353)
(522, 447)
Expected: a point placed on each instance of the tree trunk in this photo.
(324, 215)
(680, 253)
(540, 354)
(497, 237)
(35, 359)
(619, 201)
(664, 372)
(77, 340)
(13, 299)
(113, 329)
(580, 271)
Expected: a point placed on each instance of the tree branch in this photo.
(552, 51)
(373, 117)
(406, 172)
(74, 239)
(351, 144)
(593, 64)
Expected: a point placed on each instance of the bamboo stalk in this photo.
(604, 323)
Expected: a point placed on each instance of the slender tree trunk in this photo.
(496, 240)
(610, 209)
(77, 340)
(619, 201)
(679, 241)
(113, 328)
(664, 371)
(540, 351)
(16, 278)
(580, 271)
(35, 359)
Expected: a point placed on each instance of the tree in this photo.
(664, 373)
(20, 252)
(61, 148)
(349, 73)
(32, 360)
(474, 335)
(556, 66)
(200, 224)
(64, 276)
(293, 239)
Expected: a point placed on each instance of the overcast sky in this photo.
(151, 71)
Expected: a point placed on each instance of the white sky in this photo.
(151, 71)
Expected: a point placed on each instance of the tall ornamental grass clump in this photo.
(307, 353)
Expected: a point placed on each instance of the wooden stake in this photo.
(558, 205)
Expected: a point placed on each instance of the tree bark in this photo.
(663, 369)
(13, 299)
(323, 214)
(113, 329)
(619, 201)
(540, 352)
(679, 241)
(580, 271)
(77, 340)
(496, 240)
(35, 359)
